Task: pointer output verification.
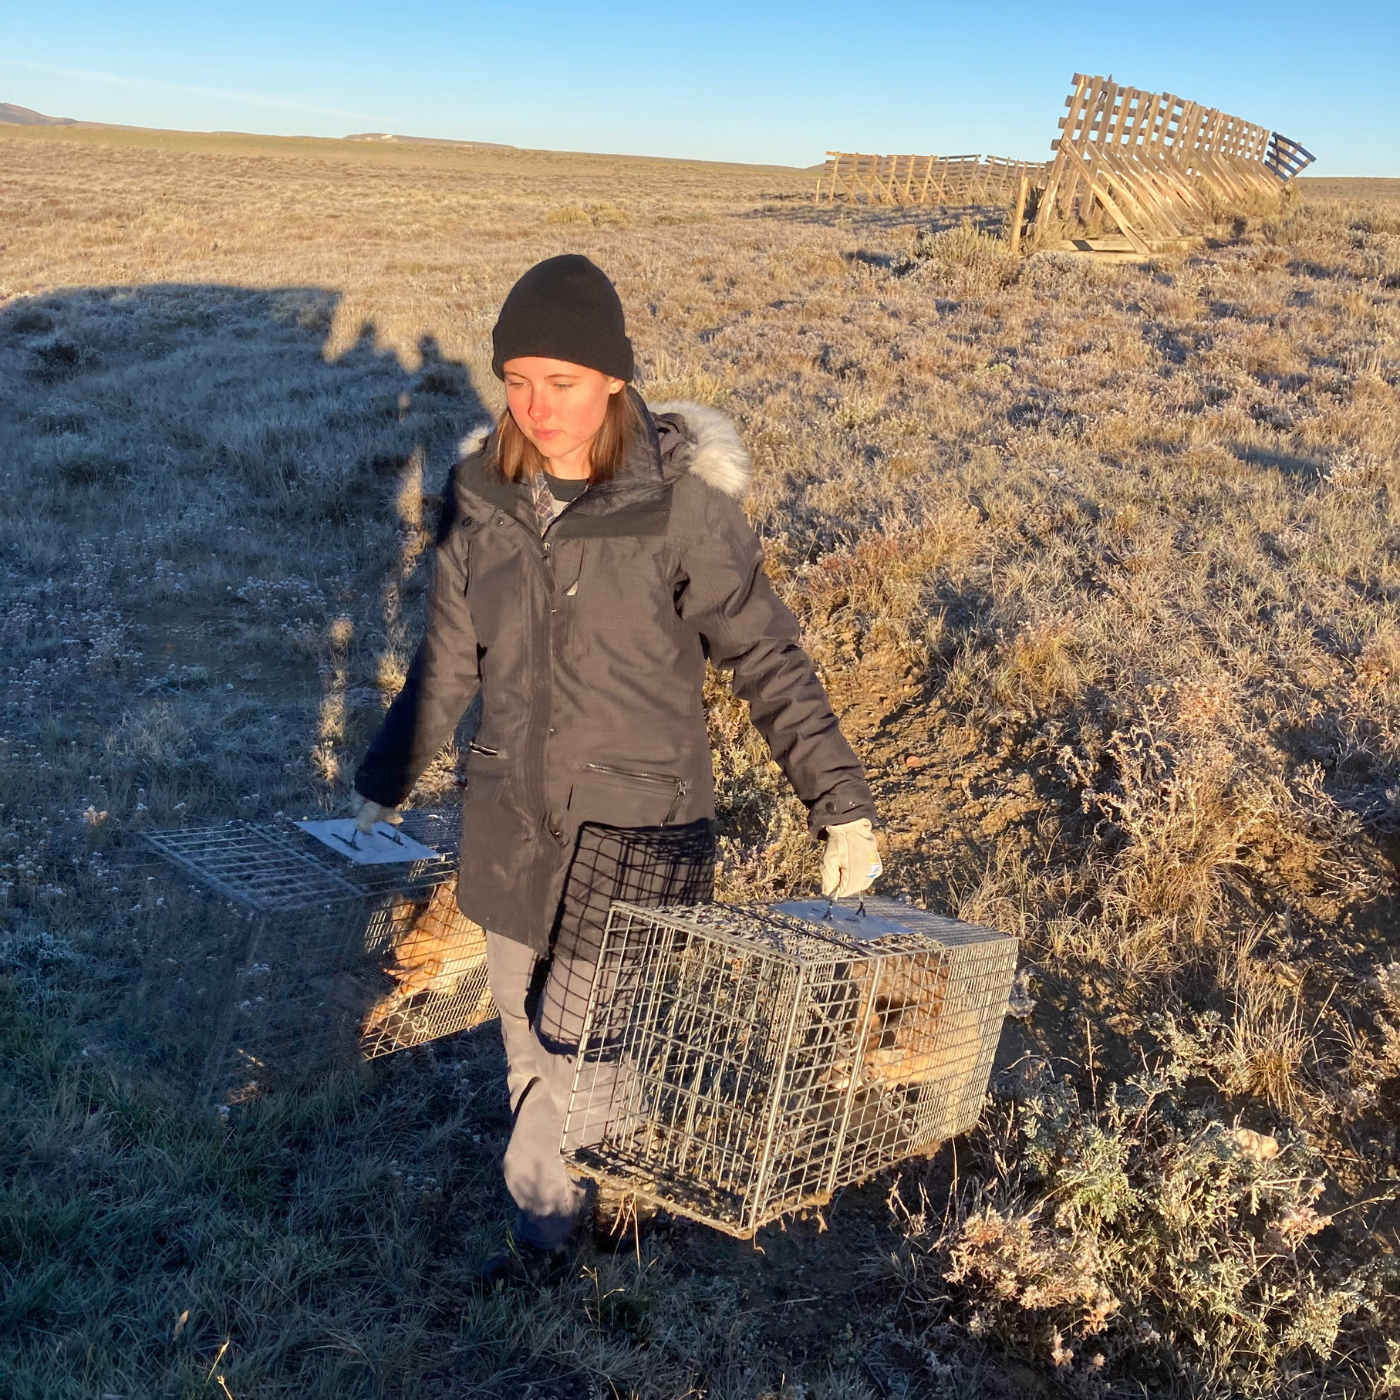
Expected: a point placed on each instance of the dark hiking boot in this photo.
(521, 1263)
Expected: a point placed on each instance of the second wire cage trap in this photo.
(740, 1063)
(323, 962)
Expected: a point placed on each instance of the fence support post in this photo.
(1018, 216)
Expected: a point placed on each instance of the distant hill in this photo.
(427, 141)
(24, 116)
(411, 149)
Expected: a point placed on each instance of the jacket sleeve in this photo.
(748, 631)
(442, 682)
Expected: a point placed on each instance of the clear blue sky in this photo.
(767, 80)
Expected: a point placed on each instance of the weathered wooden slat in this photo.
(1018, 215)
(1134, 189)
(1083, 96)
(928, 180)
(1124, 225)
(1155, 162)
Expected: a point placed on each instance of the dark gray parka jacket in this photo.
(588, 648)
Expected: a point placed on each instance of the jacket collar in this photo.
(637, 501)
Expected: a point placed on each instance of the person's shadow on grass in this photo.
(217, 535)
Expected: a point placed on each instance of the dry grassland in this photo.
(1102, 565)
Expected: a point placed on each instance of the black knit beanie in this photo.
(564, 309)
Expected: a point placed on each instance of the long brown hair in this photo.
(518, 459)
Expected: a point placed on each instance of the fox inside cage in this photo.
(739, 1063)
(324, 961)
(311, 961)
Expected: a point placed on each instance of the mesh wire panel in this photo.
(259, 867)
(437, 959)
(645, 866)
(649, 866)
(320, 963)
(279, 868)
(681, 1048)
(739, 1063)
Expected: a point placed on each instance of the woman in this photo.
(592, 555)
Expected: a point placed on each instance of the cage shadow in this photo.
(1305, 470)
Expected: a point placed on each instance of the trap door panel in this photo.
(682, 1050)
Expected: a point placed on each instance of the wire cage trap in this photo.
(738, 1063)
(317, 962)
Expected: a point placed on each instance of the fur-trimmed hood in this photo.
(710, 448)
(717, 456)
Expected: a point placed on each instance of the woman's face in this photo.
(558, 406)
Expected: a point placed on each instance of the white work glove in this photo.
(851, 862)
(367, 813)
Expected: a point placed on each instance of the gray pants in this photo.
(540, 1058)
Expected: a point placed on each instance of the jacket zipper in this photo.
(474, 747)
(531, 764)
(669, 779)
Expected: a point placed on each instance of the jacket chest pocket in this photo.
(622, 586)
(497, 581)
(567, 566)
(488, 778)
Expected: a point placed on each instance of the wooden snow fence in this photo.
(929, 180)
(1156, 163)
